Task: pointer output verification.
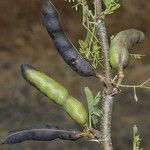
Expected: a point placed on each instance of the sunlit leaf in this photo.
(111, 6)
(94, 112)
(90, 47)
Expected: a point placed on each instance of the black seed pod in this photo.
(66, 49)
(41, 133)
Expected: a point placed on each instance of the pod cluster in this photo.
(120, 46)
(65, 48)
(53, 90)
(41, 133)
(56, 92)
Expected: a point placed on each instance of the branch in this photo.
(102, 34)
(107, 101)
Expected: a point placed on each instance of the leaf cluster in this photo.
(90, 46)
(111, 6)
(94, 112)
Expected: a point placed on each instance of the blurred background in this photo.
(24, 39)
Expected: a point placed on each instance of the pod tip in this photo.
(25, 67)
(48, 7)
(4, 141)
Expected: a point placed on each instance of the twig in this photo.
(107, 101)
(145, 82)
(134, 86)
(142, 85)
(104, 80)
(121, 76)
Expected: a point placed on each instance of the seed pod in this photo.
(56, 92)
(65, 48)
(121, 44)
(42, 133)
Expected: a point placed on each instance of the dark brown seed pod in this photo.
(42, 133)
(65, 48)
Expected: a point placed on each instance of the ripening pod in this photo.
(118, 55)
(42, 133)
(120, 46)
(64, 46)
(56, 92)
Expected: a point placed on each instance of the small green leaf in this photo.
(95, 119)
(94, 112)
(97, 112)
(89, 98)
(111, 6)
(136, 139)
(97, 98)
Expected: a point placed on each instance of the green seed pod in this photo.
(120, 46)
(56, 92)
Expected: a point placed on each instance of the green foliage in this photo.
(111, 6)
(136, 139)
(94, 112)
(90, 46)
